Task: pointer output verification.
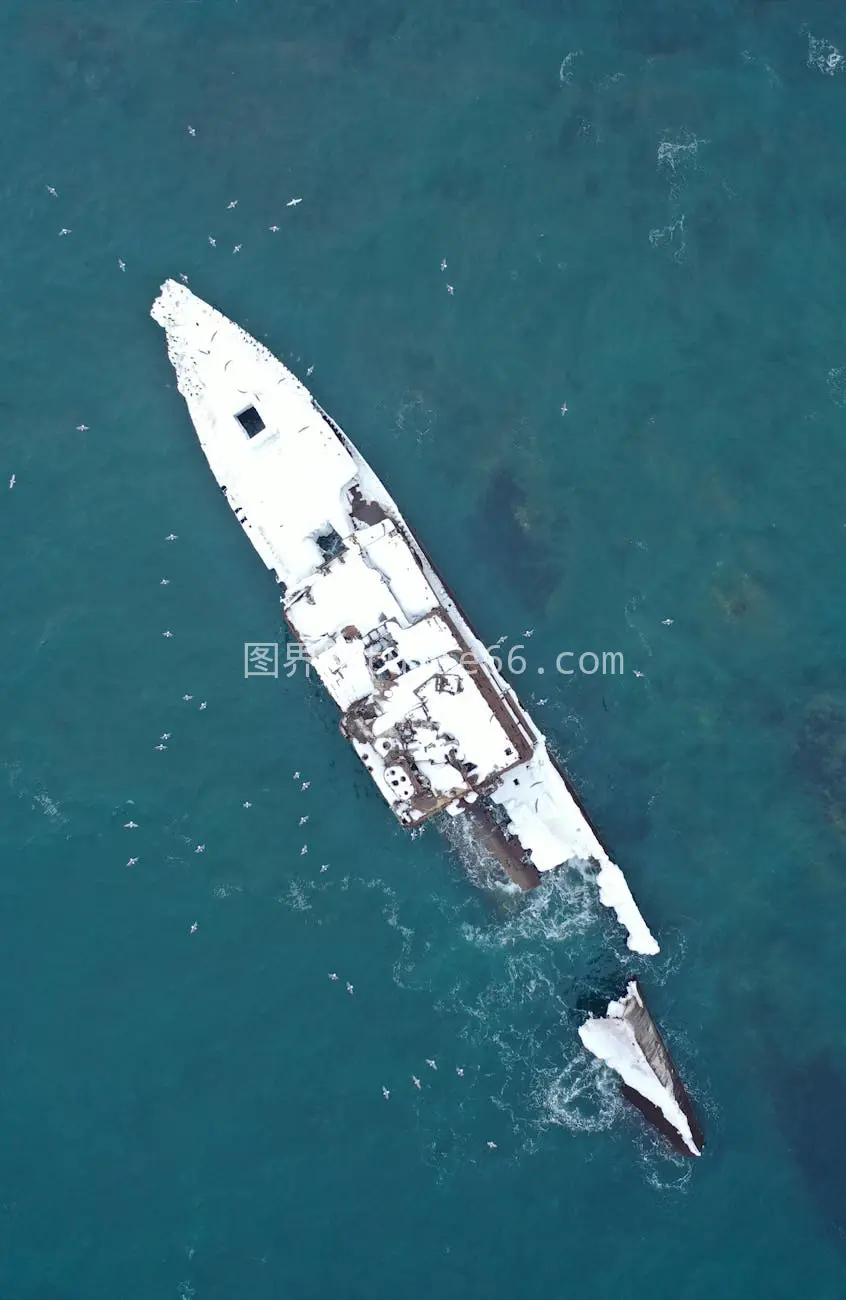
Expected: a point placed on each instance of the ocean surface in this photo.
(642, 210)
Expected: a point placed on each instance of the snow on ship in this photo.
(627, 1039)
(421, 701)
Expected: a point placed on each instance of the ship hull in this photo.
(421, 698)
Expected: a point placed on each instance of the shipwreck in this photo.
(420, 698)
(627, 1039)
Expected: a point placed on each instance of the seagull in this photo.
(237, 248)
(232, 204)
(303, 820)
(292, 203)
(212, 241)
(273, 228)
(247, 804)
(194, 928)
(333, 975)
(443, 263)
(51, 189)
(450, 288)
(183, 277)
(131, 862)
(204, 705)
(303, 850)
(305, 785)
(529, 631)
(165, 582)
(296, 776)
(350, 988)
(165, 735)
(130, 826)
(492, 1146)
(12, 481)
(82, 428)
(564, 408)
(172, 537)
(542, 702)
(459, 1070)
(431, 1064)
(386, 1092)
(160, 747)
(309, 371)
(415, 1080)
(121, 264)
(667, 622)
(637, 674)
(168, 633)
(201, 848)
(64, 231)
(187, 697)
(191, 131)
(324, 866)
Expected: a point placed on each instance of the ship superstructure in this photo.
(421, 700)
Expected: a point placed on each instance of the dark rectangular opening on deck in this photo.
(331, 544)
(250, 421)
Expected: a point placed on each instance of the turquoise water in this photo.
(641, 208)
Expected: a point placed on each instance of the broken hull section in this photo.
(421, 700)
(628, 1040)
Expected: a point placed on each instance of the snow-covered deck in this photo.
(422, 701)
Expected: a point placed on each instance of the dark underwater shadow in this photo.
(506, 540)
(810, 1107)
(820, 755)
